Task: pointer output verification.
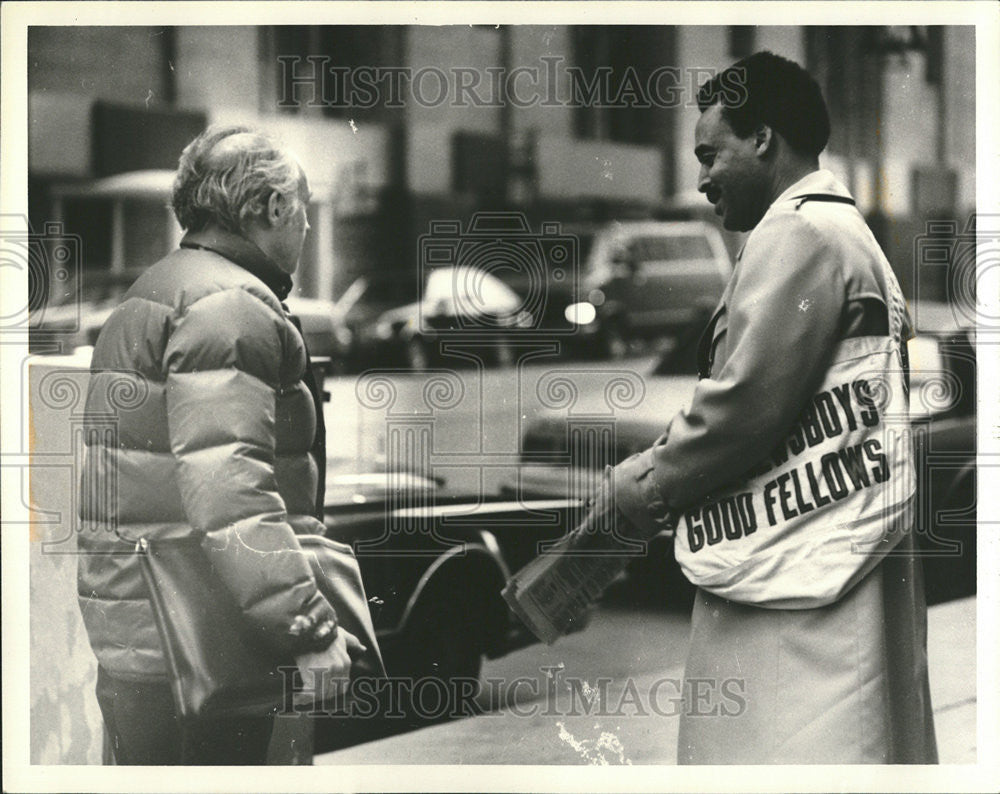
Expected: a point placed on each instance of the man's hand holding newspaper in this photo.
(553, 592)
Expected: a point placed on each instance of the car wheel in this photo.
(450, 648)
(951, 576)
(444, 662)
(452, 654)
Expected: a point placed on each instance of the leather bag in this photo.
(217, 667)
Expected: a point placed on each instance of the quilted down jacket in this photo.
(218, 448)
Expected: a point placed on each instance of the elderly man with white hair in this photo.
(226, 449)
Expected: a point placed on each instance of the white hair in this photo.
(226, 176)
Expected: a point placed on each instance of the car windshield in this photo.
(382, 287)
(470, 288)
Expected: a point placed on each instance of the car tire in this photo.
(448, 649)
(455, 657)
(446, 654)
(954, 576)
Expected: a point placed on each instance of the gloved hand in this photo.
(316, 627)
(629, 489)
(603, 515)
(326, 673)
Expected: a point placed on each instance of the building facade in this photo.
(399, 125)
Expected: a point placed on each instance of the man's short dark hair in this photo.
(765, 88)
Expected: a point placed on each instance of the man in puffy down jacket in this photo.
(224, 448)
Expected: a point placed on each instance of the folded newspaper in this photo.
(553, 593)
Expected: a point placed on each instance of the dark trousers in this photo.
(143, 729)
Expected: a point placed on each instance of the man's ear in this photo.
(275, 208)
(763, 140)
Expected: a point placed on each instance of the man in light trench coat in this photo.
(823, 639)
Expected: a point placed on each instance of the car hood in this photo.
(634, 428)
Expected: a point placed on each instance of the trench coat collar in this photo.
(244, 253)
(819, 181)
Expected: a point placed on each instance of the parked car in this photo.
(434, 572)
(324, 330)
(433, 567)
(943, 420)
(457, 302)
(642, 279)
(366, 298)
(77, 325)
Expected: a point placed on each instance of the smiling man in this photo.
(790, 479)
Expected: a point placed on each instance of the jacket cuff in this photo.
(315, 627)
(638, 498)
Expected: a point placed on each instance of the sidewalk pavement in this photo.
(539, 738)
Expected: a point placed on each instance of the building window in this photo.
(741, 40)
(612, 82)
(590, 54)
(314, 65)
(845, 63)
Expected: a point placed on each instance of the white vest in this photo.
(835, 498)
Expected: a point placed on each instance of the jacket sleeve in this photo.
(784, 318)
(222, 360)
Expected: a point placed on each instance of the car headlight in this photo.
(581, 313)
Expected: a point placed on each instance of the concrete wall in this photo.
(60, 137)
(123, 64)
(598, 169)
(447, 48)
(65, 721)
(703, 49)
(217, 67)
(960, 111)
(529, 44)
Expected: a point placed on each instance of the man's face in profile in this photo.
(732, 175)
(292, 231)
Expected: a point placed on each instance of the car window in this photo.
(669, 249)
